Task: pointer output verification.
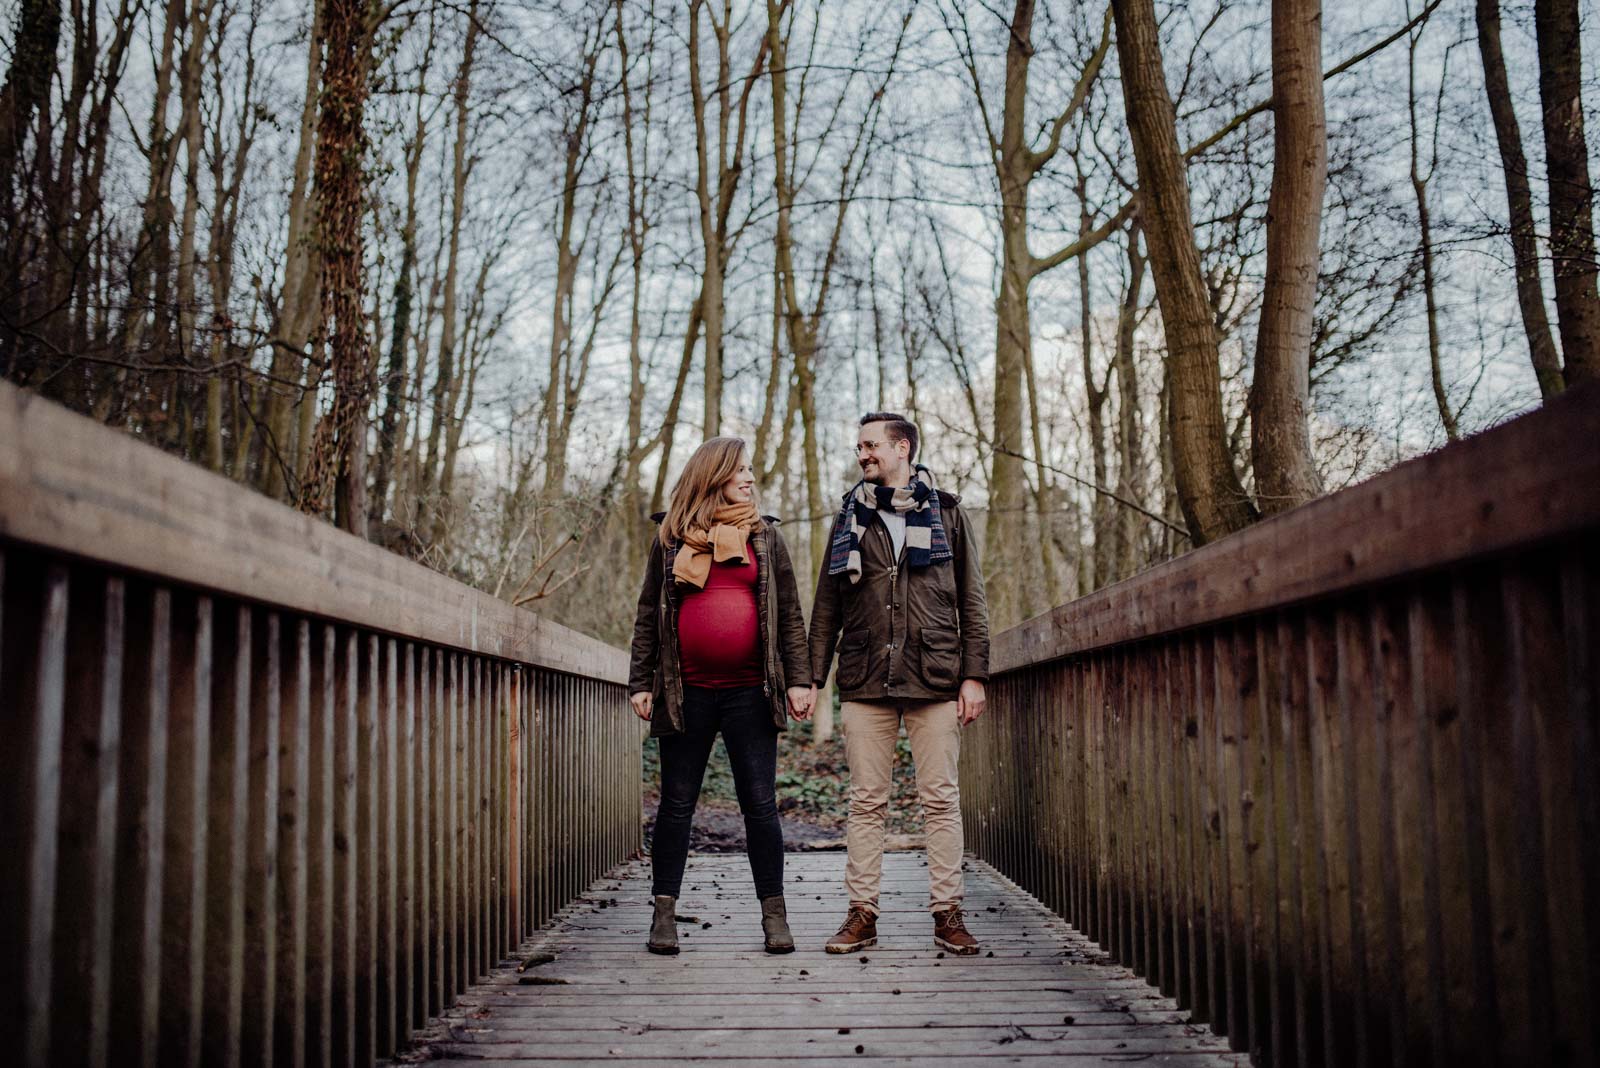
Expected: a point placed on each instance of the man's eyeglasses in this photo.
(869, 446)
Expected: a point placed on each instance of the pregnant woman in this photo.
(719, 645)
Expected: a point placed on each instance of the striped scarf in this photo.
(926, 542)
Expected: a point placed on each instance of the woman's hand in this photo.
(802, 700)
(641, 704)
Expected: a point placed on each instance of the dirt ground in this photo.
(719, 828)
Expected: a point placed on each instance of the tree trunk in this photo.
(394, 384)
(1130, 447)
(1101, 561)
(191, 76)
(159, 211)
(1013, 330)
(638, 227)
(25, 92)
(297, 305)
(1571, 192)
(27, 85)
(711, 295)
(1519, 202)
(1419, 187)
(1016, 163)
(225, 186)
(338, 457)
(557, 415)
(1280, 393)
(669, 422)
(435, 471)
(716, 182)
(1213, 500)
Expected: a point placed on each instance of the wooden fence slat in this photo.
(1233, 905)
(183, 909)
(225, 801)
(1580, 593)
(1265, 834)
(141, 829)
(1535, 671)
(413, 878)
(390, 735)
(292, 1016)
(1301, 940)
(263, 786)
(80, 967)
(38, 744)
(1483, 782)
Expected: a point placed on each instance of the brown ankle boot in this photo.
(860, 930)
(949, 933)
(775, 925)
(664, 927)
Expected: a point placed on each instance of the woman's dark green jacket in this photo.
(786, 659)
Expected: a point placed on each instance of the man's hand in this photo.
(641, 704)
(971, 701)
(802, 700)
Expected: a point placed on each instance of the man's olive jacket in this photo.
(903, 633)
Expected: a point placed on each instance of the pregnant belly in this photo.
(718, 637)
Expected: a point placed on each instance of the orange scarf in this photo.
(731, 527)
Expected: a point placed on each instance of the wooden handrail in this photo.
(1536, 477)
(74, 486)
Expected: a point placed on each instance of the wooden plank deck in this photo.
(1039, 993)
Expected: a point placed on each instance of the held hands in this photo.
(641, 704)
(802, 701)
(971, 701)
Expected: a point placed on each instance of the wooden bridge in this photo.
(1322, 793)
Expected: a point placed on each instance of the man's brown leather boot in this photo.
(860, 930)
(949, 933)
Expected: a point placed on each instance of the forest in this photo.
(472, 278)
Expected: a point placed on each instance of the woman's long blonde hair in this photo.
(697, 494)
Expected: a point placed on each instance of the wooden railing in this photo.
(1332, 782)
(268, 794)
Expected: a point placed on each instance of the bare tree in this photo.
(439, 465)
(1420, 178)
(296, 312)
(1016, 163)
(1566, 155)
(337, 463)
(1209, 491)
(570, 355)
(1519, 202)
(719, 165)
(1280, 393)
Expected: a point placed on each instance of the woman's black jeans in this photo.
(744, 716)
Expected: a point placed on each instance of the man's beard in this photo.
(876, 478)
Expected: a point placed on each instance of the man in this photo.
(902, 598)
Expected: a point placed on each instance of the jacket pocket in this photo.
(853, 661)
(941, 658)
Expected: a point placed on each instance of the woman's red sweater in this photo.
(719, 630)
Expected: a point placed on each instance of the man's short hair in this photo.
(899, 427)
